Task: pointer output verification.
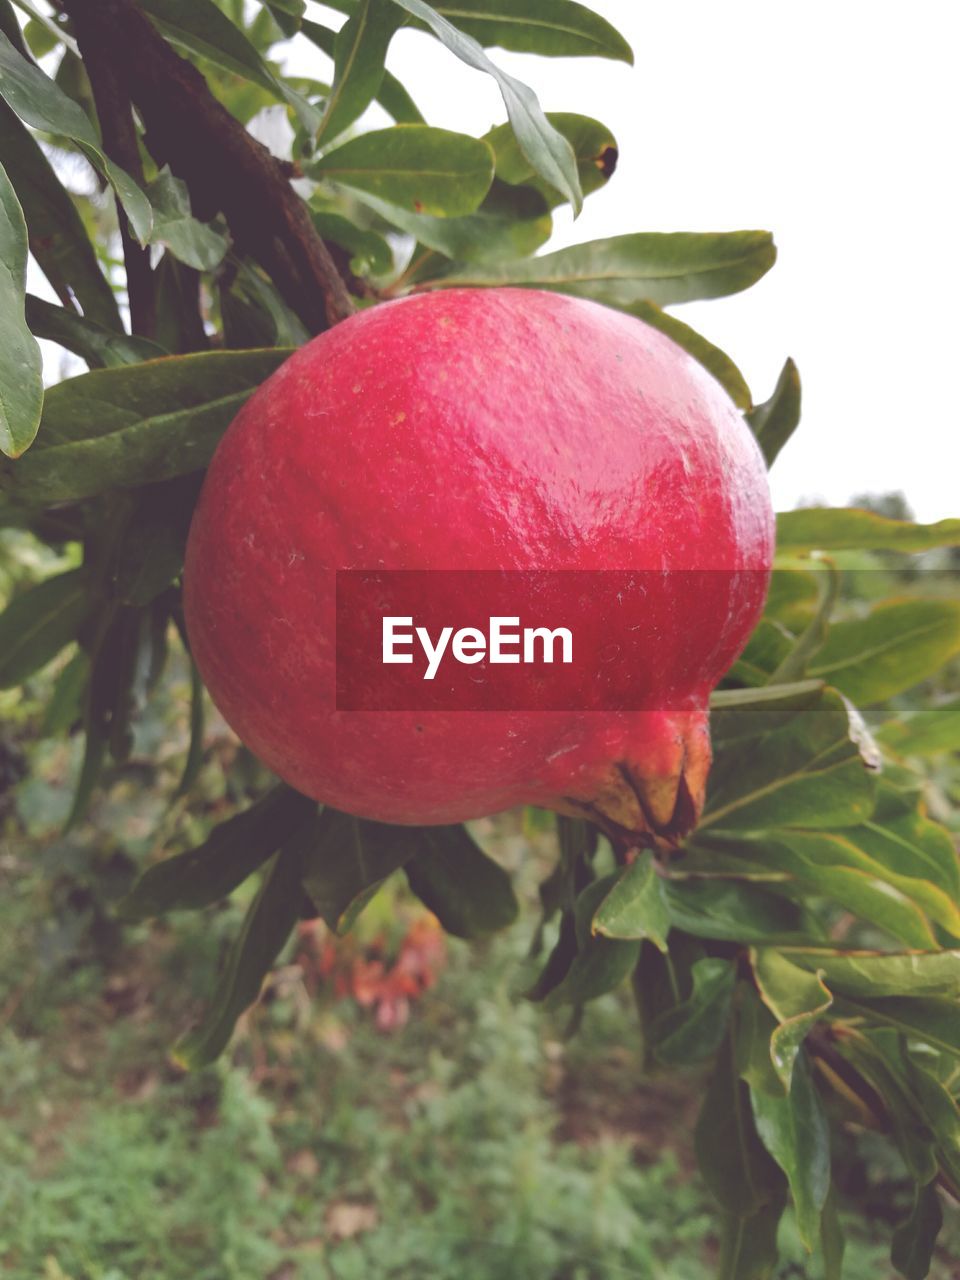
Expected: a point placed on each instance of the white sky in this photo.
(831, 125)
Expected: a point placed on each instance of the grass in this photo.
(472, 1144)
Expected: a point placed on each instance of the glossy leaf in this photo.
(929, 1019)
(694, 1030)
(823, 863)
(415, 166)
(546, 149)
(794, 1130)
(924, 733)
(508, 220)
(58, 239)
(346, 859)
(816, 771)
(849, 529)
(729, 910)
(99, 346)
(774, 421)
(195, 243)
(898, 644)
(267, 926)
(594, 148)
(715, 361)
(232, 852)
(644, 267)
(740, 714)
(128, 426)
(600, 963)
(554, 28)
(748, 1245)
(733, 1161)
(39, 622)
(359, 54)
(392, 95)
(870, 973)
(469, 893)
(635, 906)
(40, 103)
(796, 998)
(200, 27)
(21, 366)
(915, 1239)
(371, 252)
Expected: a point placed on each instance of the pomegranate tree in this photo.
(481, 429)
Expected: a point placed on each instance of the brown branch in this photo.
(120, 143)
(224, 168)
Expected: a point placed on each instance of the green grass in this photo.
(471, 1145)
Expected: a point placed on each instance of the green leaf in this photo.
(748, 1245)
(509, 220)
(874, 973)
(553, 28)
(231, 853)
(739, 714)
(266, 927)
(774, 421)
(832, 1241)
(898, 644)
(794, 1130)
(635, 907)
(827, 864)
(915, 1239)
(924, 733)
(546, 149)
(814, 772)
(469, 893)
(733, 1161)
(796, 998)
(193, 242)
(413, 165)
(848, 529)
(729, 910)
(359, 54)
(600, 964)
(644, 267)
(39, 622)
(371, 252)
(794, 664)
(99, 346)
(58, 239)
(54, 31)
(39, 103)
(929, 1019)
(594, 148)
(194, 760)
(347, 859)
(201, 28)
(392, 95)
(21, 366)
(66, 703)
(694, 1030)
(128, 426)
(715, 361)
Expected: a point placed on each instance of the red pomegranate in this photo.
(483, 429)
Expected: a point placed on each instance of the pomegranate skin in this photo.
(479, 429)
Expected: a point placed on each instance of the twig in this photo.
(120, 143)
(223, 166)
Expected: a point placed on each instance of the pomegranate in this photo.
(478, 429)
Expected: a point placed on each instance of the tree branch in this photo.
(120, 143)
(224, 168)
